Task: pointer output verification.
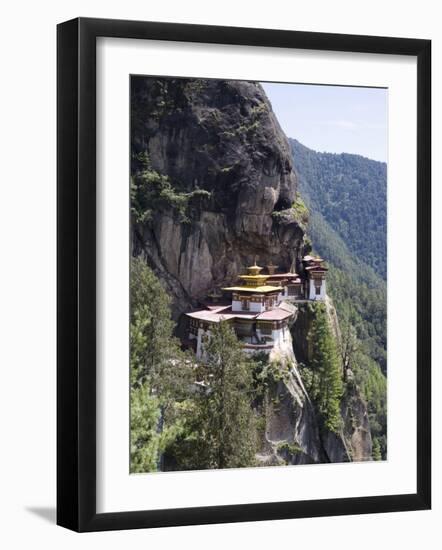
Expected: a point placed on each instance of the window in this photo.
(265, 329)
(245, 305)
(318, 290)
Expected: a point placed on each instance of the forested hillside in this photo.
(346, 197)
(350, 192)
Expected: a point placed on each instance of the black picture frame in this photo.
(76, 273)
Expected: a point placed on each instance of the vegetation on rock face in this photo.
(151, 191)
(300, 210)
(288, 450)
(266, 373)
(297, 212)
(373, 386)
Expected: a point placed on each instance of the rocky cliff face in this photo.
(221, 137)
(292, 432)
(354, 440)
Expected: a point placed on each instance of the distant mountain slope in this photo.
(359, 292)
(350, 192)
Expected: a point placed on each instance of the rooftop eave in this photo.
(254, 290)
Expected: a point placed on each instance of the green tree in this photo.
(327, 385)
(151, 325)
(160, 372)
(376, 451)
(145, 440)
(156, 356)
(149, 436)
(373, 386)
(151, 191)
(225, 419)
(349, 344)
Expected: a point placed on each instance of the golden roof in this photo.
(258, 289)
(254, 280)
(253, 277)
(253, 270)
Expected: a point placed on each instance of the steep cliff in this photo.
(294, 433)
(353, 440)
(228, 166)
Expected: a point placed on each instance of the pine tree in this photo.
(144, 441)
(150, 434)
(160, 373)
(327, 386)
(226, 424)
(151, 343)
(156, 354)
(376, 451)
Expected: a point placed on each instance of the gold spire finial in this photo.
(255, 268)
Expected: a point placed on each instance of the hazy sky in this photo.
(334, 119)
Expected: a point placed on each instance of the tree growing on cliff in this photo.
(373, 386)
(327, 386)
(225, 419)
(376, 452)
(160, 374)
(156, 356)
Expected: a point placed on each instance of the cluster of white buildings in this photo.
(261, 307)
